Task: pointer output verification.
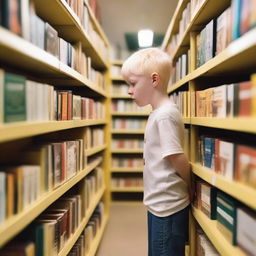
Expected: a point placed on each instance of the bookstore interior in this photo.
(71, 138)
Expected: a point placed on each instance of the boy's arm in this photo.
(181, 164)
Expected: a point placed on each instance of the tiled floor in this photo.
(126, 231)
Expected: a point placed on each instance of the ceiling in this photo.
(121, 16)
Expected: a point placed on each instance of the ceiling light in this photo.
(145, 38)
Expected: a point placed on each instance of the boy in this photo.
(166, 172)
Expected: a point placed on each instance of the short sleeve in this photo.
(170, 137)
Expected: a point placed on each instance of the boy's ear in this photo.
(155, 79)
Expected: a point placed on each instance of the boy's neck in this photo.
(158, 100)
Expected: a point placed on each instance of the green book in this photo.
(14, 98)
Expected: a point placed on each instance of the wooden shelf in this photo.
(219, 241)
(235, 124)
(72, 240)
(127, 151)
(68, 25)
(78, 80)
(117, 62)
(121, 97)
(127, 189)
(208, 10)
(98, 237)
(178, 84)
(97, 25)
(21, 54)
(243, 193)
(15, 224)
(174, 25)
(129, 114)
(95, 150)
(117, 78)
(126, 169)
(14, 131)
(128, 131)
(235, 59)
(186, 120)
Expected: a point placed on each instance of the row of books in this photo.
(232, 160)
(227, 100)
(49, 232)
(133, 162)
(81, 10)
(128, 123)
(20, 17)
(235, 221)
(119, 89)
(44, 168)
(74, 56)
(94, 137)
(84, 242)
(126, 182)
(127, 143)
(186, 16)
(218, 33)
(203, 244)
(182, 100)
(180, 68)
(25, 100)
(129, 106)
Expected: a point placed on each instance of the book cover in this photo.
(51, 40)
(11, 15)
(14, 98)
(245, 99)
(246, 226)
(226, 159)
(219, 103)
(246, 165)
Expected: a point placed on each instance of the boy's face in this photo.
(140, 88)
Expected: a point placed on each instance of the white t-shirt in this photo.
(165, 192)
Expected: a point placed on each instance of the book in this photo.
(11, 15)
(14, 98)
(51, 40)
(2, 196)
(246, 226)
(246, 165)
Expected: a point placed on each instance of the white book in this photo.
(226, 158)
(2, 196)
(246, 226)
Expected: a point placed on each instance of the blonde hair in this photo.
(147, 61)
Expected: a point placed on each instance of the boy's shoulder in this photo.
(169, 111)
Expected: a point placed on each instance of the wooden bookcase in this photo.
(20, 56)
(125, 193)
(234, 64)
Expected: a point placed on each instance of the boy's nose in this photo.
(130, 91)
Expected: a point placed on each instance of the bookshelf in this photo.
(19, 56)
(232, 65)
(124, 177)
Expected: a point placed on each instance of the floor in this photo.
(126, 231)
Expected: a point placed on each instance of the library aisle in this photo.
(126, 231)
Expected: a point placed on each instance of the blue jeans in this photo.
(167, 236)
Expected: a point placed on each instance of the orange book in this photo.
(64, 106)
(10, 195)
(245, 98)
(246, 165)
